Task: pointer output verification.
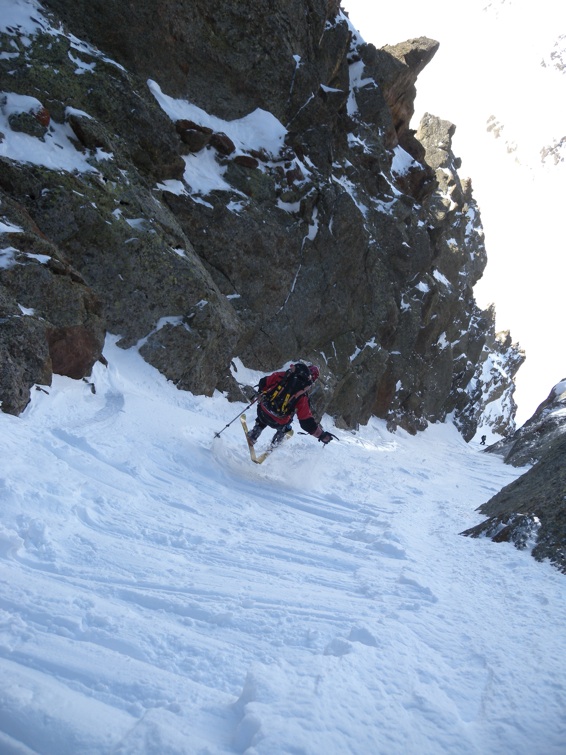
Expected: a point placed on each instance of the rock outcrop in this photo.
(487, 400)
(50, 319)
(261, 196)
(539, 434)
(531, 511)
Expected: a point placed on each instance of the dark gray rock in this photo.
(357, 245)
(487, 400)
(531, 442)
(141, 271)
(531, 511)
(396, 69)
(51, 321)
(25, 360)
(228, 59)
(28, 124)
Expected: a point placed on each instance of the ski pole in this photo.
(217, 435)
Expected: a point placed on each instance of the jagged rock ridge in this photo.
(539, 434)
(531, 511)
(354, 244)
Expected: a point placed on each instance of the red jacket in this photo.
(302, 407)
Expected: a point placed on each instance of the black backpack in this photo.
(282, 399)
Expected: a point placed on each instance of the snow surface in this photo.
(259, 130)
(161, 594)
(54, 151)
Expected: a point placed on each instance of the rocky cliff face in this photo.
(242, 182)
(532, 510)
(530, 443)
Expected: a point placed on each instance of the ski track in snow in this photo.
(160, 594)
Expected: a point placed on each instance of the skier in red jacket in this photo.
(282, 395)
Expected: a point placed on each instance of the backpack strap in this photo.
(274, 400)
(290, 401)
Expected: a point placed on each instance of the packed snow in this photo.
(162, 594)
(259, 130)
(55, 151)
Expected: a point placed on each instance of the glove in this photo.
(325, 437)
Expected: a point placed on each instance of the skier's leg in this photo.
(255, 432)
(280, 434)
(258, 428)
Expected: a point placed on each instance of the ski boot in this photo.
(280, 435)
(254, 434)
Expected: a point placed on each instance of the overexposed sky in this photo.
(495, 69)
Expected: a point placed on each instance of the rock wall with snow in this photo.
(531, 442)
(531, 511)
(237, 182)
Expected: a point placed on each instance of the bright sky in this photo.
(495, 69)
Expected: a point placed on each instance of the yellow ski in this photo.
(262, 457)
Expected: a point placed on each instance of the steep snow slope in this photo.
(160, 594)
